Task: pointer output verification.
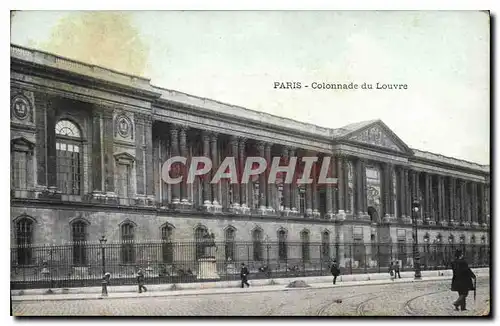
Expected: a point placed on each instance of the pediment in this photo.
(21, 144)
(124, 158)
(379, 135)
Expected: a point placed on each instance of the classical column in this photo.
(51, 147)
(341, 188)
(243, 187)
(329, 194)
(262, 180)
(488, 203)
(315, 194)
(451, 200)
(108, 146)
(148, 142)
(484, 209)
(309, 200)
(386, 191)
(215, 166)
(207, 191)
(235, 187)
(286, 186)
(392, 192)
(415, 181)
(293, 187)
(174, 149)
(427, 194)
(364, 188)
(401, 194)
(407, 191)
(463, 204)
(474, 201)
(358, 184)
(468, 206)
(270, 187)
(184, 153)
(97, 162)
(441, 212)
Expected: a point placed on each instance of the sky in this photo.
(236, 57)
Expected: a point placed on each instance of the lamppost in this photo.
(104, 282)
(268, 246)
(416, 254)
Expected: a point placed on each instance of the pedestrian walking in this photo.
(244, 275)
(335, 270)
(396, 270)
(462, 280)
(140, 281)
(391, 271)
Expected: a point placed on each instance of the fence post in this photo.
(350, 259)
(364, 251)
(378, 257)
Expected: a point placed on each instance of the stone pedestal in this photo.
(207, 269)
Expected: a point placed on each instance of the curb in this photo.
(268, 288)
(235, 284)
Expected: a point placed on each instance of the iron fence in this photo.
(83, 263)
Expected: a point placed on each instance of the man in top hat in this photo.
(244, 274)
(462, 280)
(335, 270)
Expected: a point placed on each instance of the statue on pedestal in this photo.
(208, 244)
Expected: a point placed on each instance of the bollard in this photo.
(104, 283)
(104, 288)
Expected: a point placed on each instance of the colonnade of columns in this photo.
(444, 200)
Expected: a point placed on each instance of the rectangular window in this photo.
(302, 201)
(257, 250)
(123, 181)
(19, 171)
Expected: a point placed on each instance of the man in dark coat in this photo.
(140, 281)
(335, 270)
(462, 280)
(396, 270)
(244, 274)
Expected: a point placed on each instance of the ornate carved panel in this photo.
(21, 107)
(123, 127)
(375, 136)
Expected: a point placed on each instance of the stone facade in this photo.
(125, 128)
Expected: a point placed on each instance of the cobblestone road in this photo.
(403, 299)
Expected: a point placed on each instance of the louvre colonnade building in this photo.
(88, 143)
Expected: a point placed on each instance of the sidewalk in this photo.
(228, 287)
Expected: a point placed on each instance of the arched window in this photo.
(68, 149)
(229, 236)
(166, 244)
(128, 249)
(79, 236)
(199, 233)
(304, 238)
(282, 246)
(24, 240)
(257, 244)
(325, 245)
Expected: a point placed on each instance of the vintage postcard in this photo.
(250, 163)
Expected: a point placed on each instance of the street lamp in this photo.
(268, 246)
(102, 241)
(104, 282)
(416, 255)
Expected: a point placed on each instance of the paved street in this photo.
(403, 299)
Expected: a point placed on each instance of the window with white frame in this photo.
(68, 157)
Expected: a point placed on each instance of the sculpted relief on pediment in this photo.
(375, 136)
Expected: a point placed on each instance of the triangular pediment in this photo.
(379, 135)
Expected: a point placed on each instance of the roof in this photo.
(138, 82)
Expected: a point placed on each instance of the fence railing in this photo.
(83, 263)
